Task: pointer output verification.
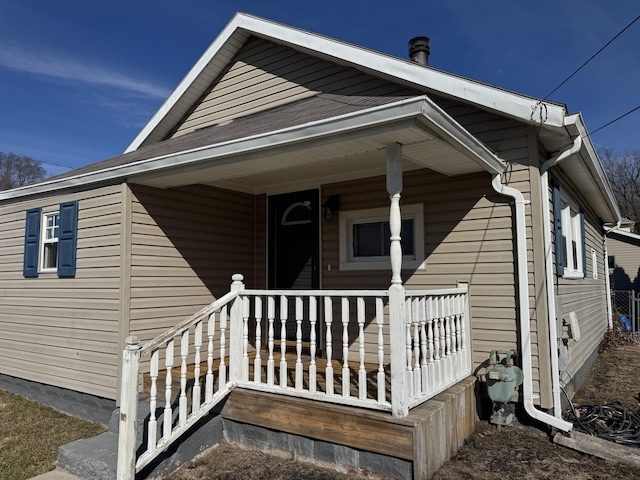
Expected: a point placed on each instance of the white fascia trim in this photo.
(460, 138)
(593, 164)
(384, 117)
(630, 235)
(510, 103)
(186, 82)
(518, 106)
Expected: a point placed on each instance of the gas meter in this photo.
(502, 379)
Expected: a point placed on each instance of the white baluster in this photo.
(328, 319)
(222, 376)
(168, 413)
(313, 312)
(449, 362)
(299, 371)
(381, 379)
(424, 351)
(197, 342)
(362, 372)
(284, 306)
(153, 396)
(443, 348)
(257, 362)
(245, 339)
(211, 328)
(408, 345)
(271, 314)
(431, 347)
(417, 372)
(346, 374)
(184, 352)
(436, 340)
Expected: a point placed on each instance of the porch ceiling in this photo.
(315, 162)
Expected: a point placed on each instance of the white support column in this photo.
(397, 334)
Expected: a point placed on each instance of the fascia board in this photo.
(520, 107)
(632, 236)
(592, 163)
(388, 116)
(457, 136)
(175, 96)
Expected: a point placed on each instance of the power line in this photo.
(615, 120)
(591, 58)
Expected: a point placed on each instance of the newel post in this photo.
(235, 331)
(126, 469)
(397, 332)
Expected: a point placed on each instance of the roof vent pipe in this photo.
(419, 50)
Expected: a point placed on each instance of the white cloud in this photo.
(54, 66)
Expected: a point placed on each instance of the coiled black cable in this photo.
(612, 421)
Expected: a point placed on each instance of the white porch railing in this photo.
(335, 346)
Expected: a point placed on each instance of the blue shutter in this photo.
(67, 233)
(557, 218)
(584, 245)
(31, 242)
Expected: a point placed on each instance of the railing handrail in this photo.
(316, 293)
(437, 292)
(188, 322)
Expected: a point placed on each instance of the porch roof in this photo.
(322, 138)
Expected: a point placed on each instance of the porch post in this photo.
(127, 445)
(397, 333)
(235, 331)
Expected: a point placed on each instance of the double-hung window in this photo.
(570, 239)
(49, 252)
(365, 238)
(50, 241)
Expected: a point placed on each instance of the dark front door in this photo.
(294, 240)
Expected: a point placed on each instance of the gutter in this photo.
(551, 296)
(523, 307)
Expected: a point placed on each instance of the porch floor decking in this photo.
(321, 384)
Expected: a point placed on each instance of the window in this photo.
(49, 254)
(50, 241)
(569, 235)
(365, 238)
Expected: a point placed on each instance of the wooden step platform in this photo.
(414, 446)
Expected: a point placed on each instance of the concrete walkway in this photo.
(56, 474)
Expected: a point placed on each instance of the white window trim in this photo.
(349, 217)
(571, 229)
(594, 264)
(44, 241)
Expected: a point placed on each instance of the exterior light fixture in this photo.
(330, 208)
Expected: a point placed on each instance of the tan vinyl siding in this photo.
(64, 331)
(264, 75)
(586, 296)
(186, 244)
(626, 272)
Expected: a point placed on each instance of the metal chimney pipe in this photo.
(419, 50)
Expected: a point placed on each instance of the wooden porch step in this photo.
(430, 435)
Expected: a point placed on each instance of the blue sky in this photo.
(79, 79)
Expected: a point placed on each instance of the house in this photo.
(624, 259)
(623, 249)
(290, 158)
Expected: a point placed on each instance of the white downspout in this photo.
(551, 296)
(523, 297)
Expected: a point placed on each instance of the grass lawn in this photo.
(30, 434)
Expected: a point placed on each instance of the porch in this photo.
(357, 362)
